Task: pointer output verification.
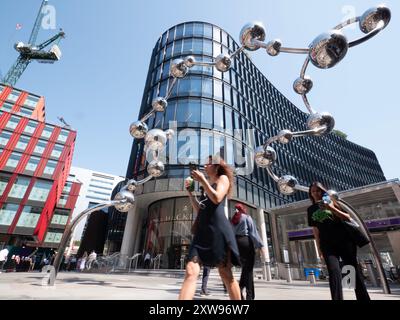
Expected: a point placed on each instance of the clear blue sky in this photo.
(98, 85)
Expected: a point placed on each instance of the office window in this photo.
(206, 146)
(32, 163)
(25, 112)
(228, 120)
(206, 113)
(208, 47)
(7, 213)
(47, 131)
(13, 96)
(22, 143)
(4, 179)
(188, 29)
(177, 47)
(31, 101)
(179, 31)
(208, 31)
(13, 160)
(40, 191)
(217, 34)
(30, 127)
(207, 87)
(218, 116)
(198, 29)
(62, 137)
(13, 122)
(168, 51)
(40, 146)
(57, 150)
(4, 138)
(217, 89)
(187, 46)
(19, 188)
(197, 46)
(29, 217)
(7, 107)
(50, 167)
(170, 113)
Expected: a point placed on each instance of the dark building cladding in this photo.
(215, 104)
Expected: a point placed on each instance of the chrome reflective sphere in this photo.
(155, 168)
(159, 104)
(169, 133)
(318, 120)
(250, 32)
(333, 194)
(328, 49)
(370, 19)
(189, 61)
(138, 129)
(274, 47)
(178, 68)
(223, 62)
(285, 136)
(128, 204)
(287, 184)
(131, 185)
(155, 139)
(303, 85)
(264, 158)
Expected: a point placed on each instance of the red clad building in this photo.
(36, 200)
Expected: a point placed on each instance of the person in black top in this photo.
(214, 242)
(333, 241)
(248, 241)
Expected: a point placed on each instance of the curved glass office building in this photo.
(228, 114)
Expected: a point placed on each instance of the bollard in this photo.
(371, 272)
(311, 277)
(289, 273)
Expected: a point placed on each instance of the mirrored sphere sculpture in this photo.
(285, 136)
(287, 184)
(333, 194)
(138, 129)
(274, 47)
(223, 62)
(189, 61)
(303, 85)
(155, 139)
(130, 200)
(323, 119)
(155, 168)
(370, 19)
(249, 33)
(328, 49)
(131, 185)
(178, 68)
(264, 157)
(159, 104)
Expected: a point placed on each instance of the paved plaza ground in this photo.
(152, 286)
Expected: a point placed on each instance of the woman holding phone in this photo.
(214, 242)
(333, 241)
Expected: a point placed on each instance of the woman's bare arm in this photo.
(218, 194)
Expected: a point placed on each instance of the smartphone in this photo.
(193, 166)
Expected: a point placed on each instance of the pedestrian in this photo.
(3, 258)
(206, 273)
(213, 243)
(147, 260)
(92, 257)
(248, 241)
(333, 241)
(83, 262)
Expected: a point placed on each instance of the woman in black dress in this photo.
(333, 241)
(214, 242)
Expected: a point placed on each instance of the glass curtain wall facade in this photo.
(231, 113)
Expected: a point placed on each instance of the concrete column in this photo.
(263, 234)
(394, 239)
(128, 240)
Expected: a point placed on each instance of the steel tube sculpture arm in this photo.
(70, 228)
(375, 253)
